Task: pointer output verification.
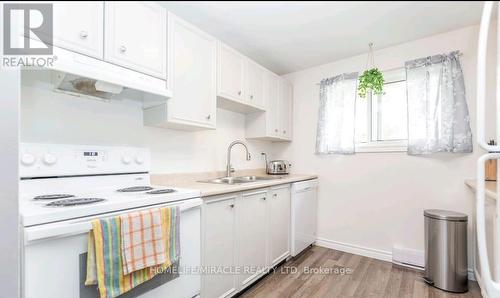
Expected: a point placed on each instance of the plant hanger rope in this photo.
(370, 60)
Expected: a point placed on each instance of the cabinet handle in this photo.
(284, 131)
(208, 117)
(83, 34)
(276, 130)
(232, 205)
(264, 198)
(239, 92)
(251, 96)
(123, 49)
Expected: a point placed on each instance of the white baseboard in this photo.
(365, 251)
(355, 249)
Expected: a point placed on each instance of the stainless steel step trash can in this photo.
(446, 250)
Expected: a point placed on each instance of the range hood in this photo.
(86, 76)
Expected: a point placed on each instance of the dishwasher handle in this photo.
(304, 185)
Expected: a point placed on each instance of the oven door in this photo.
(54, 259)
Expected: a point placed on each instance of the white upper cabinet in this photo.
(230, 74)
(254, 84)
(275, 124)
(192, 79)
(239, 82)
(285, 109)
(271, 96)
(79, 27)
(136, 36)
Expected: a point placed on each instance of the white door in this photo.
(252, 236)
(271, 95)
(218, 217)
(279, 224)
(255, 83)
(136, 36)
(192, 72)
(78, 27)
(231, 73)
(285, 110)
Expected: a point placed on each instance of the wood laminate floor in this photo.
(346, 275)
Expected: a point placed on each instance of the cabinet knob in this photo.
(239, 92)
(232, 205)
(284, 131)
(276, 130)
(275, 195)
(251, 96)
(208, 117)
(83, 34)
(123, 49)
(264, 198)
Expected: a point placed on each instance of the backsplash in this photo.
(52, 117)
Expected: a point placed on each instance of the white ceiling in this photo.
(288, 36)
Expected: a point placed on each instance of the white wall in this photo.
(9, 180)
(376, 200)
(51, 117)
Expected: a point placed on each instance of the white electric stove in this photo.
(64, 187)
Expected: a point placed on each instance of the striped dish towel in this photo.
(104, 257)
(143, 240)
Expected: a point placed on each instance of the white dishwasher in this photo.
(304, 211)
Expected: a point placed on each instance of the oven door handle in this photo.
(75, 227)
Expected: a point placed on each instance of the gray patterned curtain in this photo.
(438, 116)
(335, 131)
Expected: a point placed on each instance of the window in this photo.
(381, 120)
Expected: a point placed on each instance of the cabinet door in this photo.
(219, 246)
(279, 224)
(136, 36)
(231, 73)
(192, 74)
(255, 84)
(271, 96)
(78, 27)
(285, 109)
(252, 236)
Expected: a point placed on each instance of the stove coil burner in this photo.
(161, 191)
(53, 197)
(74, 202)
(135, 189)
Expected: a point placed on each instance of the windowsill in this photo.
(382, 146)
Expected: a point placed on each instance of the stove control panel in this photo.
(43, 160)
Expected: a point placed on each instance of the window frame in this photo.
(390, 76)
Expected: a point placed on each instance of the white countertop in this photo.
(212, 189)
(491, 187)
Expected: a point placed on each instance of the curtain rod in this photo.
(460, 54)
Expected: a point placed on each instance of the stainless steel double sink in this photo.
(240, 179)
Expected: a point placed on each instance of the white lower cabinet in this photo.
(219, 246)
(279, 224)
(244, 234)
(252, 236)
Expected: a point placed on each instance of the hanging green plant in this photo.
(371, 79)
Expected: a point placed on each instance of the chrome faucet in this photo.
(229, 167)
